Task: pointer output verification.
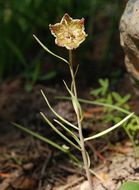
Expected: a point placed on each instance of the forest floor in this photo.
(27, 163)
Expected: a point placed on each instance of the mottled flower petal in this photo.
(69, 32)
(66, 18)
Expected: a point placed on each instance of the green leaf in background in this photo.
(130, 186)
(105, 85)
(102, 90)
(120, 100)
(16, 51)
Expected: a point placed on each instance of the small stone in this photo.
(28, 166)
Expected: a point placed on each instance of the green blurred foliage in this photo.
(130, 185)
(19, 20)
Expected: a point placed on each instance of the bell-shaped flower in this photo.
(69, 32)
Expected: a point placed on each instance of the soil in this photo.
(27, 163)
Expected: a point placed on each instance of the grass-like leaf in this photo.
(56, 114)
(75, 101)
(88, 159)
(38, 136)
(109, 129)
(97, 103)
(69, 131)
(46, 49)
(58, 132)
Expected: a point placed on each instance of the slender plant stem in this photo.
(83, 150)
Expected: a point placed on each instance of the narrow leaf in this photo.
(58, 132)
(88, 159)
(56, 114)
(98, 103)
(117, 96)
(69, 131)
(75, 102)
(105, 105)
(46, 49)
(109, 129)
(38, 136)
(97, 176)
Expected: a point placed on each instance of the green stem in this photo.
(83, 150)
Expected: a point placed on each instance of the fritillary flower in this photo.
(69, 32)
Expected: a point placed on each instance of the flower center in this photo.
(70, 36)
